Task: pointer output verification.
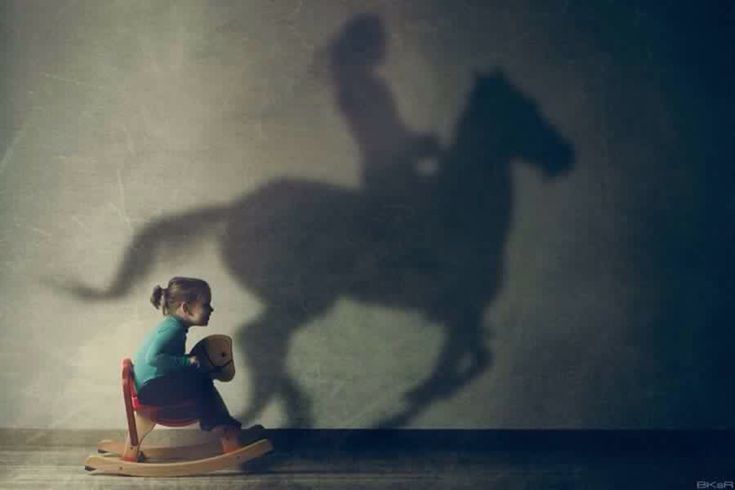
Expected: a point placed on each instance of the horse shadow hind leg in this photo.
(266, 342)
(464, 356)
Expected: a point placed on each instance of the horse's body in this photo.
(294, 242)
(437, 248)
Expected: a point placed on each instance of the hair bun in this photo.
(158, 298)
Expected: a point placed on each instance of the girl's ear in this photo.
(185, 307)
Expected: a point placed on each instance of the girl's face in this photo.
(198, 312)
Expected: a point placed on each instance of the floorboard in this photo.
(402, 460)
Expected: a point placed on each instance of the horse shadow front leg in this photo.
(266, 342)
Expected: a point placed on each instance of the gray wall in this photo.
(143, 140)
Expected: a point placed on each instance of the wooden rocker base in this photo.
(196, 451)
(112, 464)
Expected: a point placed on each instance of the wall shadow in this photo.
(430, 241)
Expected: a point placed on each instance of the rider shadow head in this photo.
(360, 43)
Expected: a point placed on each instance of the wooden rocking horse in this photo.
(128, 458)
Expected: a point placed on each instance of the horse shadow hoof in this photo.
(423, 394)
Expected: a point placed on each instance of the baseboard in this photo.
(681, 442)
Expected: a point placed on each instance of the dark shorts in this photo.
(167, 390)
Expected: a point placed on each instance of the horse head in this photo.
(501, 124)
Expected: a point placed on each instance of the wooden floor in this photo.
(430, 460)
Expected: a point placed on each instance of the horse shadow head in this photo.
(500, 124)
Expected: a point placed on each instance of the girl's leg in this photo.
(215, 417)
(214, 412)
(229, 437)
(170, 389)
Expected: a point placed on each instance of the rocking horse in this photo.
(128, 458)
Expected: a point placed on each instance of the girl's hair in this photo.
(179, 290)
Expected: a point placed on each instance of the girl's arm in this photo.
(166, 351)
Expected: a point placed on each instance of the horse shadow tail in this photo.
(153, 241)
(265, 342)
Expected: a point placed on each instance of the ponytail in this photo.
(158, 298)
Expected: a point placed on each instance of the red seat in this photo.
(159, 414)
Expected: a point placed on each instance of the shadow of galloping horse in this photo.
(298, 246)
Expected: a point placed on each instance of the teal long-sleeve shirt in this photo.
(162, 352)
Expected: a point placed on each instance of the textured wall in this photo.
(441, 214)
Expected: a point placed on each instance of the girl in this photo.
(165, 375)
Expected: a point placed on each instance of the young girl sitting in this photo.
(165, 375)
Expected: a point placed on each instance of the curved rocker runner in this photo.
(128, 458)
(115, 465)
